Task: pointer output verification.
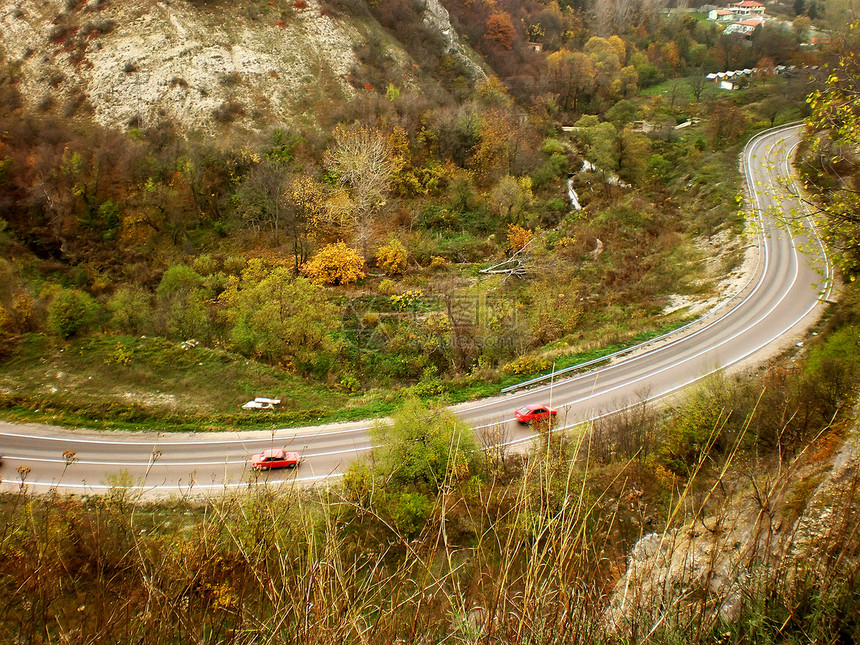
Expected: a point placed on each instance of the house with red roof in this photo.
(744, 27)
(747, 8)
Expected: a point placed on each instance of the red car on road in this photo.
(535, 412)
(275, 458)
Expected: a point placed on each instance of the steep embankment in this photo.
(199, 65)
(777, 529)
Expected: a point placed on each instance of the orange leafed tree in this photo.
(518, 237)
(500, 29)
(500, 138)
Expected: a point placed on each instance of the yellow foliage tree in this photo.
(501, 136)
(306, 214)
(391, 258)
(335, 264)
(518, 237)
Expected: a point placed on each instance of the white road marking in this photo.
(166, 462)
(189, 488)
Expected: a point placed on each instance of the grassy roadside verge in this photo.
(128, 383)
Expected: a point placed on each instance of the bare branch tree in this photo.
(365, 163)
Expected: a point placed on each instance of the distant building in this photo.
(733, 79)
(744, 27)
(747, 8)
(738, 12)
(721, 15)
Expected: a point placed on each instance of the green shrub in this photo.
(436, 217)
(130, 310)
(181, 302)
(178, 281)
(552, 146)
(282, 319)
(204, 264)
(832, 371)
(408, 511)
(422, 451)
(72, 311)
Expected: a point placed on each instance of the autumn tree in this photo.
(261, 199)
(627, 83)
(606, 62)
(500, 29)
(726, 122)
(335, 264)
(698, 83)
(670, 56)
(363, 161)
(518, 237)
(571, 75)
(510, 197)
(501, 134)
(305, 212)
(634, 150)
(493, 92)
(619, 46)
(727, 52)
(801, 26)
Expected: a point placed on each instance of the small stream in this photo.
(571, 193)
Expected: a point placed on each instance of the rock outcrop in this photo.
(200, 65)
(759, 531)
(437, 18)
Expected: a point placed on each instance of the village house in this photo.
(721, 15)
(744, 27)
(738, 11)
(747, 8)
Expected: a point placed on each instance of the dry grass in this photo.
(532, 555)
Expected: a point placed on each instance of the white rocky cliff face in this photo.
(755, 533)
(437, 18)
(197, 65)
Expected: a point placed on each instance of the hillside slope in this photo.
(200, 65)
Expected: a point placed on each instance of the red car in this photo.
(275, 458)
(534, 412)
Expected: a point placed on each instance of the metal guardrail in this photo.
(593, 361)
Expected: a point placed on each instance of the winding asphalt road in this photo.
(781, 300)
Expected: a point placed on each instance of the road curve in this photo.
(782, 300)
